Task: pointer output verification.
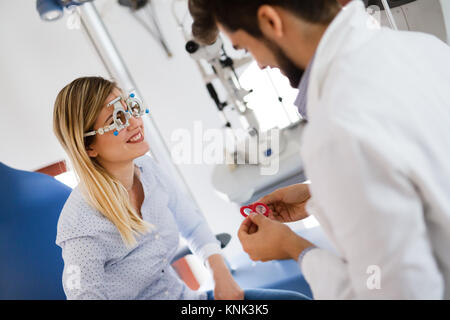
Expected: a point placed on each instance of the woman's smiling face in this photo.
(129, 144)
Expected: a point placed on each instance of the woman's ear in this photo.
(91, 152)
(270, 22)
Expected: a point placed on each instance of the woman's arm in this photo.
(83, 275)
(201, 240)
(225, 287)
(190, 221)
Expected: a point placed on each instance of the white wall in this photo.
(37, 59)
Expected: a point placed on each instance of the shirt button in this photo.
(156, 236)
(166, 293)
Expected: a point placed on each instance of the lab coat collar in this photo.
(353, 18)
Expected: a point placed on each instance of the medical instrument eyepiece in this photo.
(51, 10)
(192, 46)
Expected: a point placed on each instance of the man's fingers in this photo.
(275, 216)
(245, 225)
(257, 219)
(244, 228)
(271, 197)
(253, 229)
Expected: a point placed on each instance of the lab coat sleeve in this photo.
(377, 220)
(84, 273)
(190, 221)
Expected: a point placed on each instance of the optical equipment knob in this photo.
(192, 46)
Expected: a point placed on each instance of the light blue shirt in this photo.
(301, 101)
(98, 265)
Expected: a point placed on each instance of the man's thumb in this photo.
(257, 219)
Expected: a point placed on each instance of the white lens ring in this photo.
(134, 103)
(260, 209)
(117, 120)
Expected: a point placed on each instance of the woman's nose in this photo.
(134, 123)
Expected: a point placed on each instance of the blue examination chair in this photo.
(31, 264)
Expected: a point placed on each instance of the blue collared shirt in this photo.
(98, 265)
(301, 101)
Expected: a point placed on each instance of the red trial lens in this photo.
(258, 208)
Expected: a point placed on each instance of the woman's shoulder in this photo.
(151, 170)
(146, 162)
(78, 218)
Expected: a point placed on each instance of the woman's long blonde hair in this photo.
(77, 107)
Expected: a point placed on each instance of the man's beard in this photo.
(287, 67)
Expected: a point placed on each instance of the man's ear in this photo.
(270, 22)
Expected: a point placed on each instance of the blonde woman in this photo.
(120, 227)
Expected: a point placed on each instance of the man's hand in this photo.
(287, 204)
(272, 240)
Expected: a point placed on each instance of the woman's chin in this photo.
(134, 150)
(141, 148)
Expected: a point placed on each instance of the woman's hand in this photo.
(225, 287)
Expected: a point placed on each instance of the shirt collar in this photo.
(301, 101)
(138, 164)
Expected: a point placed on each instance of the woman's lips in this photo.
(139, 137)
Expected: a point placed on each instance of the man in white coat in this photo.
(376, 146)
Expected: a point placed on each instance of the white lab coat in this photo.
(377, 152)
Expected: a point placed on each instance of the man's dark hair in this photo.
(242, 15)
